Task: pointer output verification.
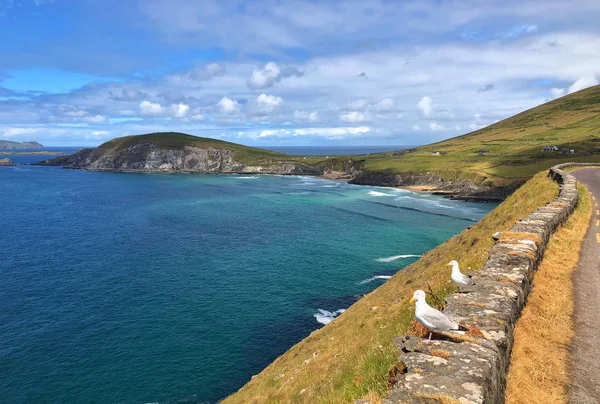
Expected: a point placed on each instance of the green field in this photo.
(514, 145)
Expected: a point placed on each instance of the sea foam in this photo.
(397, 257)
(375, 278)
(326, 317)
(377, 193)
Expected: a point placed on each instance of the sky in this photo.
(295, 72)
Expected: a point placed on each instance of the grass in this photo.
(351, 357)
(175, 140)
(514, 144)
(539, 369)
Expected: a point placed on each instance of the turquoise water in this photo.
(138, 288)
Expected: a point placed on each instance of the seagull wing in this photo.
(436, 319)
(467, 280)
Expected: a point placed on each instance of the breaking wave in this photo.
(326, 317)
(397, 257)
(377, 193)
(374, 278)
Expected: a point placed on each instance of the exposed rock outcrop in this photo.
(7, 162)
(472, 368)
(462, 189)
(147, 157)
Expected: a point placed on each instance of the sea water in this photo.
(173, 288)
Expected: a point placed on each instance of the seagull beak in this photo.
(412, 299)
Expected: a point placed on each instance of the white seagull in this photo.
(431, 318)
(458, 277)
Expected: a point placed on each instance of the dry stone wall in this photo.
(472, 368)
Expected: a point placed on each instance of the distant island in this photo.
(9, 145)
(30, 153)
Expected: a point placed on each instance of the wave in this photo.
(247, 177)
(377, 193)
(375, 278)
(325, 317)
(397, 257)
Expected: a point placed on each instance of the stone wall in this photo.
(472, 368)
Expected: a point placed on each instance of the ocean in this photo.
(177, 288)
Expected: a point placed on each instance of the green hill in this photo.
(176, 141)
(513, 147)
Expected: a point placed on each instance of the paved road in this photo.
(585, 359)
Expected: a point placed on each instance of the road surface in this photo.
(585, 359)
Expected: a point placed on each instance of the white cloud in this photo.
(266, 104)
(329, 133)
(95, 119)
(385, 105)
(304, 116)
(416, 128)
(358, 105)
(69, 110)
(15, 132)
(436, 127)
(425, 105)
(227, 106)
(557, 92)
(180, 110)
(150, 108)
(355, 116)
(198, 117)
(100, 133)
(268, 75)
(582, 83)
(264, 77)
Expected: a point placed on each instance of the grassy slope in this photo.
(514, 144)
(175, 140)
(350, 357)
(539, 368)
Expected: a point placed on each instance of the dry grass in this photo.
(359, 342)
(440, 398)
(539, 369)
(418, 330)
(512, 237)
(440, 353)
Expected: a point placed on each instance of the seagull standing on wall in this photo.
(459, 278)
(431, 318)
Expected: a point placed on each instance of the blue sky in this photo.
(289, 73)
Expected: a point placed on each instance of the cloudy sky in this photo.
(79, 72)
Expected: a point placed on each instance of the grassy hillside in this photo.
(350, 357)
(514, 144)
(175, 140)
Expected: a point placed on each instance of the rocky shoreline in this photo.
(147, 157)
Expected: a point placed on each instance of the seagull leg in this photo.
(428, 340)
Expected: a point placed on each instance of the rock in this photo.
(7, 162)
(147, 157)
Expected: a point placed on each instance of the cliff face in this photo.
(147, 157)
